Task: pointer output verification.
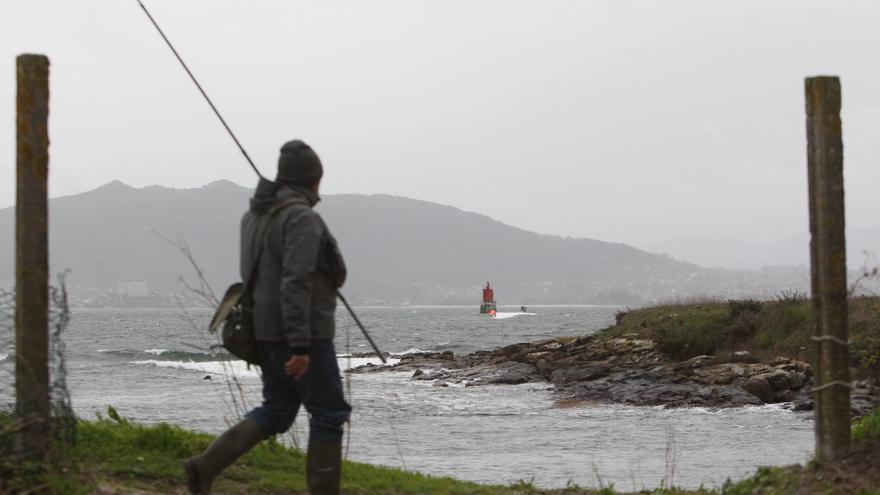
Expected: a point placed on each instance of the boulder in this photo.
(693, 363)
(533, 357)
(742, 357)
(565, 376)
(760, 388)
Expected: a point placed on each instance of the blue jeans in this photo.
(320, 391)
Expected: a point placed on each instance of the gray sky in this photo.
(631, 121)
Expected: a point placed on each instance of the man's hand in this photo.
(297, 366)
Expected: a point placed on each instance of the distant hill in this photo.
(862, 248)
(398, 250)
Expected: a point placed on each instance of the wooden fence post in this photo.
(31, 255)
(828, 267)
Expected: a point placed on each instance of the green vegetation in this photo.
(868, 428)
(797, 479)
(766, 329)
(128, 456)
(148, 457)
(114, 452)
(766, 481)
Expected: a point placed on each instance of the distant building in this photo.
(132, 288)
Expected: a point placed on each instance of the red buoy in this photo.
(488, 304)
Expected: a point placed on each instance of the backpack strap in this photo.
(263, 233)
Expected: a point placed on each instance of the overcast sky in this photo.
(631, 121)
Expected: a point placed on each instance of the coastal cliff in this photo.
(712, 354)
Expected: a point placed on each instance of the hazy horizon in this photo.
(709, 252)
(630, 121)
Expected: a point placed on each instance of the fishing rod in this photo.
(199, 86)
(247, 157)
(361, 326)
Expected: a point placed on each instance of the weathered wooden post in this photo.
(31, 255)
(828, 264)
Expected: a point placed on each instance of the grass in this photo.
(766, 481)
(766, 329)
(131, 456)
(148, 457)
(779, 481)
(136, 457)
(867, 428)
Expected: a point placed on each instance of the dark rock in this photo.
(693, 363)
(742, 357)
(568, 375)
(784, 396)
(509, 378)
(737, 397)
(807, 405)
(760, 388)
(626, 369)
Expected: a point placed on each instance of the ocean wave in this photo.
(168, 355)
(4, 356)
(112, 351)
(504, 316)
(412, 350)
(346, 362)
(240, 368)
(770, 408)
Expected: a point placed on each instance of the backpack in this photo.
(235, 312)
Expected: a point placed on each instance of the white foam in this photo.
(156, 352)
(240, 368)
(362, 361)
(780, 407)
(412, 350)
(3, 356)
(504, 316)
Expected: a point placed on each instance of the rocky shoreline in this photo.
(628, 370)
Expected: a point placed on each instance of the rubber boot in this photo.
(324, 467)
(223, 451)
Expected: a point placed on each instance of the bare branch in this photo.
(204, 291)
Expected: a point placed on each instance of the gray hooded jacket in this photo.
(300, 268)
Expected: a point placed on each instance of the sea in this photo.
(158, 365)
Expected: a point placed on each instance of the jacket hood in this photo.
(268, 193)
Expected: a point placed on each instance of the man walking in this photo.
(294, 303)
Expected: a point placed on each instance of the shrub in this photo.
(867, 428)
(741, 306)
(744, 327)
(791, 296)
(787, 326)
(683, 339)
(864, 352)
(864, 333)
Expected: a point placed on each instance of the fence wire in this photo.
(63, 419)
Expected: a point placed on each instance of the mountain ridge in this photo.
(399, 250)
